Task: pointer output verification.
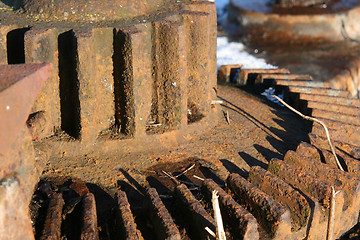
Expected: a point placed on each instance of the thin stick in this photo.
(171, 177)
(210, 232)
(314, 120)
(216, 102)
(198, 178)
(186, 170)
(331, 221)
(220, 233)
(227, 117)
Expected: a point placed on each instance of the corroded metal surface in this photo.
(126, 225)
(274, 217)
(266, 21)
(307, 183)
(348, 182)
(241, 222)
(284, 194)
(339, 109)
(282, 202)
(194, 211)
(52, 225)
(19, 171)
(146, 80)
(126, 75)
(20, 85)
(302, 189)
(123, 79)
(65, 10)
(89, 225)
(164, 225)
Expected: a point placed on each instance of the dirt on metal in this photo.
(257, 133)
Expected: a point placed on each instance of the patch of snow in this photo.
(268, 93)
(234, 53)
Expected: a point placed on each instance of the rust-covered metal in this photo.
(331, 99)
(283, 193)
(52, 226)
(242, 223)
(271, 215)
(281, 78)
(160, 217)
(247, 76)
(115, 75)
(19, 87)
(348, 182)
(302, 180)
(89, 228)
(82, 11)
(125, 222)
(297, 20)
(195, 212)
(142, 74)
(19, 168)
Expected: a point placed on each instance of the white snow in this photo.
(268, 93)
(234, 52)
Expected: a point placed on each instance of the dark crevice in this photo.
(69, 84)
(123, 91)
(152, 123)
(15, 46)
(234, 75)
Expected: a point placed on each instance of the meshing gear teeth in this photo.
(141, 76)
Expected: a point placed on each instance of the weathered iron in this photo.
(19, 87)
(134, 79)
(121, 70)
(124, 73)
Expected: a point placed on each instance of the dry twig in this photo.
(171, 177)
(331, 221)
(216, 102)
(227, 117)
(176, 181)
(185, 171)
(314, 120)
(210, 232)
(220, 233)
(200, 178)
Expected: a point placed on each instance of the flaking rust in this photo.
(118, 67)
(142, 74)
